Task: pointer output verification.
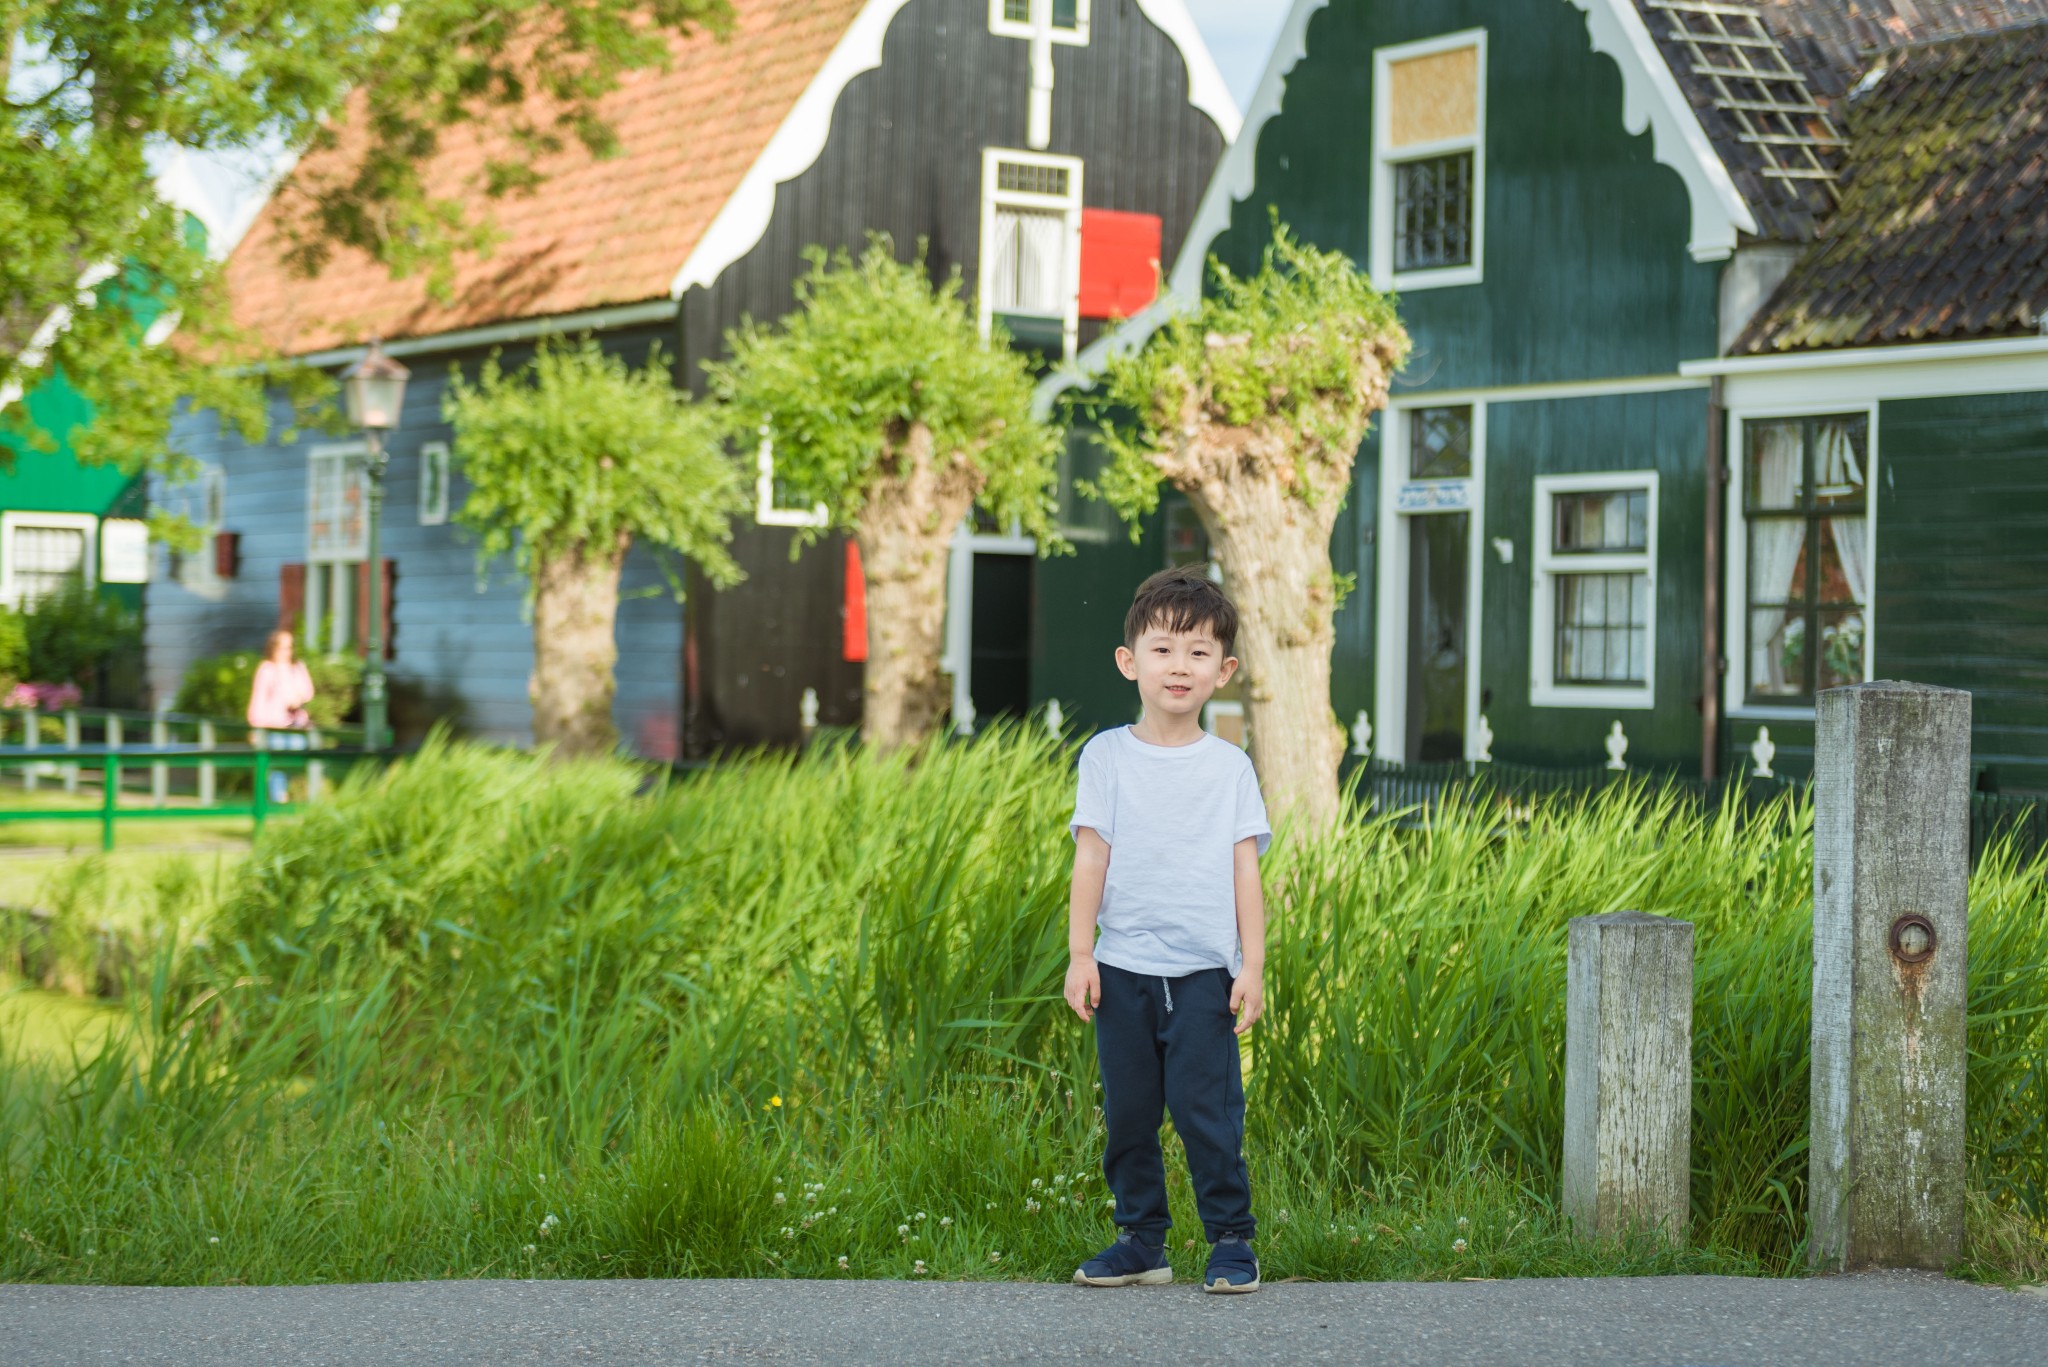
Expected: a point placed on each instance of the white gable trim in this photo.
(1237, 174)
(1650, 98)
(800, 140)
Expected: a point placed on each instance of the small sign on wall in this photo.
(124, 551)
(1434, 496)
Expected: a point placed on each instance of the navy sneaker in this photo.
(1233, 1267)
(1130, 1261)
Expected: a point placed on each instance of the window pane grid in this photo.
(1066, 14)
(1440, 443)
(1805, 504)
(1602, 628)
(46, 559)
(1433, 212)
(1028, 179)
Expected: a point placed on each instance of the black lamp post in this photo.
(373, 388)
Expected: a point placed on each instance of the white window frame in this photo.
(89, 523)
(1390, 664)
(1735, 556)
(1385, 158)
(330, 588)
(435, 463)
(1547, 566)
(1076, 36)
(766, 512)
(1069, 204)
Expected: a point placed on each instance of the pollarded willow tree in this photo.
(1253, 405)
(570, 461)
(886, 407)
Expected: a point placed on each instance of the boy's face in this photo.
(1177, 672)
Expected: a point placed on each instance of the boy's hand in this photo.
(1084, 986)
(1248, 993)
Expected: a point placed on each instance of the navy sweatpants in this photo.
(1168, 1044)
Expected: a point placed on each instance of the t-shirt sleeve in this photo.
(1094, 795)
(1251, 810)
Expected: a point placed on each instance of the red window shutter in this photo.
(854, 646)
(1119, 262)
(363, 604)
(291, 596)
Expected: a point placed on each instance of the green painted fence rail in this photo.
(112, 763)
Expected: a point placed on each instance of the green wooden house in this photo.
(55, 512)
(1730, 378)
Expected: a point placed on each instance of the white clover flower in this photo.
(1030, 1207)
(903, 1231)
(1111, 1203)
(810, 1198)
(1059, 1179)
(918, 1217)
(1284, 1216)
(547, 1226)
(842, 1262)
(1457, 1246)
(917, 1268)
(831, 1210)
(945, 1222)
(214, 1240)
(1037, 1182)
(781, 1198)
(531, 1249)
(995, 1256)
(1464, 1223)
(990, 1206)
(788, 1233)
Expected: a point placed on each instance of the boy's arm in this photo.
(1084, 903)
(1249, 991)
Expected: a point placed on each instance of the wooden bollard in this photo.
(1891, 884)
(1628, 1075)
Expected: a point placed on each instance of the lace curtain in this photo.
(1030, 261)
(1774, 547)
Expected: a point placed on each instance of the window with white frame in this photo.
(337, 543)
(771, 508)
(1594, 616)
(1807, 562)
(434, 461)
(1429, 162)
(1031, 249)
(1067, 19)
(43, 553)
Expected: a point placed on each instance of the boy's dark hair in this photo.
(1183, 598)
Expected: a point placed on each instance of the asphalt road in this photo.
(1869, 1321)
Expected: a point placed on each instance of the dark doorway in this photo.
(1437, 570)
(1000, 650)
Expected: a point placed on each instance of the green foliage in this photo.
(1282, 349)
(13, 646)
(218, 686)
(72, 632)
(506, 989)
(872, 348)
(115, 83)
(574, 453)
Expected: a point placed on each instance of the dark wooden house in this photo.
(1730, 380)
(1052, 151)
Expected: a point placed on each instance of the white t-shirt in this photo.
(1172, 815)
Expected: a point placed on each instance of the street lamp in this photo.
(373, 388)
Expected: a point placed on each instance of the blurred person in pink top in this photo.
(277, 702)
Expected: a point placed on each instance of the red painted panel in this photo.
(1119, 262)
(854, 643)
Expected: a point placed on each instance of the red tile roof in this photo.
(595, 232)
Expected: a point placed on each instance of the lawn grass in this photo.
(479, 991)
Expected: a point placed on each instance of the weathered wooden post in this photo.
(1628, 1074)
(1891, 883)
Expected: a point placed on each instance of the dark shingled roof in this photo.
(1942, 232)
(1833, 41)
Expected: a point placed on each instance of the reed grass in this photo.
(480, 990)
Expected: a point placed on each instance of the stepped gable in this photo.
(594, 232)
(1942, 233)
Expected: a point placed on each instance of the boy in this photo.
(1168, 829)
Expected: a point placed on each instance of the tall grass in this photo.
(479, 990)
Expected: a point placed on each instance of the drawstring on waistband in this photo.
(1169, 995)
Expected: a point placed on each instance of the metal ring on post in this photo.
(1912, 939)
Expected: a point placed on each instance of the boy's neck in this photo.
(1168, 730)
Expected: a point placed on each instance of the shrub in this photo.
(72, 634)
(13, 645)
(219, 685)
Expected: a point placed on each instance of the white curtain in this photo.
(1774, 546)
(1030, 261)
(1837, 472)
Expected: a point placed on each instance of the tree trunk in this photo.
(906, 532)
(1275, 552)
(575, 649)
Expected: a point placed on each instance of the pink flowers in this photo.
(42, 697)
